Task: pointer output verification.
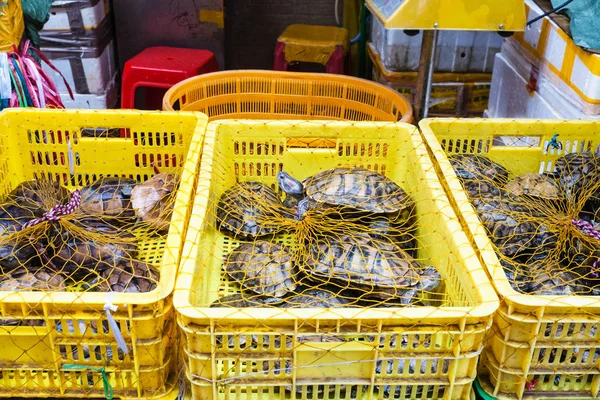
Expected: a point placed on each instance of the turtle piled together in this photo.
(544, 226)
(344, 237)
(52, 239)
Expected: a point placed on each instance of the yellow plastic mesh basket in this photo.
(430, 351)
(261, 94)
(70, 350)
(540, 346)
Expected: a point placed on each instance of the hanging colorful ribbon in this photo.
(30, 85)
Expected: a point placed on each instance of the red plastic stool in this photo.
(159, 68)
(326, 45)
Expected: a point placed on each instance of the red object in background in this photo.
(337, 64)
(156, 69)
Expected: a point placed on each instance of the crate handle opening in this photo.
(516, 141)
(311, 143)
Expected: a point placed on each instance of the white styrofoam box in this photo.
(457, 51)
(549, 86)
(98, 71)
(100, 101)
(510, 98)
(76, 14)
(560, 60)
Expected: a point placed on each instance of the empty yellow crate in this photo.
(532, 334)
(55, 144)
(445, 340)
(287, 95)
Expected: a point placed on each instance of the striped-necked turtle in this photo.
(251, 209)
(27, 279)
(577, 171)
(479, 175)
(154, 200)
(354, 188)
(357, 261)
(263, 267)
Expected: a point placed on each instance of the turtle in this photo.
(37, 279)
(109, 197)
(39, 195)
(512, 225)
(541, 187)
(263, 267)
(577, 171)
(153, 200)
(243, 300)
(130, 276)
(550, 279)
(28, 279)
(400, 232)
(250, 209)
(84, 253)
(479, 175)
(15, 249)
(315, 298)
(352, 188)
(358, 261)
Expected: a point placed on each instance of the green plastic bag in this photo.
(36, 13)
(585, 22)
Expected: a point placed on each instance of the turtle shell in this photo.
(480, 176)
(577, 171)
(357, 188)
(400, 232)
(509, 224)
(154, 200)
(549, 279)
(15, 252)
(79, 255)
(243, 300)
(244, 210)
(361, 262)
(537, 185)
(109, 197)
(39, 195)
(315, 298)
(262, 267)
(38, 279)
(130, 276)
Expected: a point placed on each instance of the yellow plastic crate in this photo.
(532, 334)
(33, 144)
(218, 367)
(261, 94)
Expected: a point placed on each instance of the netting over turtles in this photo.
(85, 267)
(321, 261)
(528, 192)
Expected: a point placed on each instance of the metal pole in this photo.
(425, 77)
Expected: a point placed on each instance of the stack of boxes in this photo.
(79, 41)
(463, 66)
(541, 73)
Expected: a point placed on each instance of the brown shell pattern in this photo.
(534, 184)
(244, 209)
(357, 188)
(262, 267)
(360, 261)
(108, 197)
(23, 279)
(130, 276)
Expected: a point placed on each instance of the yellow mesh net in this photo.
(543, 225)
(90, 234)
(323, 260)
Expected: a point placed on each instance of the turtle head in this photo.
(289, 185)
